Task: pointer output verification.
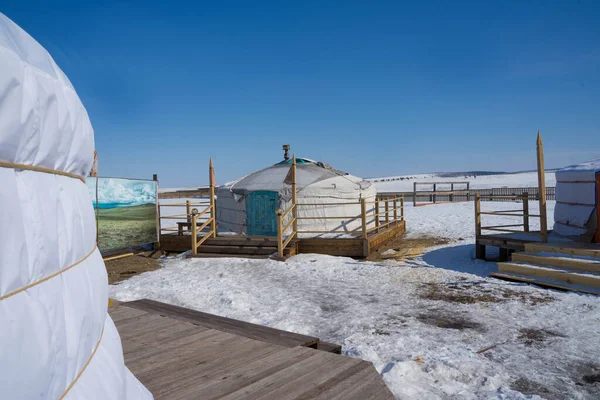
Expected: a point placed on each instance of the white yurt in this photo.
(56, 338)
(248, 205)
(577, 200)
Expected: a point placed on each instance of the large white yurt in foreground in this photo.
(56, 338)
(247, 206)
(577, 200)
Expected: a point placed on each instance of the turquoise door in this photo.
(260, 213)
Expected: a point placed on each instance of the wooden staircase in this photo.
(243, 247)
(567, 266)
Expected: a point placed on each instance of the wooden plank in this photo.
(202, 379)
(228, 382)
(329, 347)
(589, 250)
(542, 189)
(246, 329)
(264, 388)
(347, 388)
(550, 285)
(558, 262)
(301, 383)
(548, 273)
(119, 313)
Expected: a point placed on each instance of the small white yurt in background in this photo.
(248, 205)
(56, 338)
(577, 200)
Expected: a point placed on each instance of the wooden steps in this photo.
(570, 248)
(243, 247)
(566, 266)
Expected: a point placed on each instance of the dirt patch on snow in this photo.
(469, 293)
(403, 248)
(124, 268)
(445, 320)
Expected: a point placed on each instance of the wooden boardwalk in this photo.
(184, 354)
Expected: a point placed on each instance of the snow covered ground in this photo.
(405, 183)
(435, 326)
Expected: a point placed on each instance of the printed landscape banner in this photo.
(125, 211)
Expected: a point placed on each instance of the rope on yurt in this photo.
(68, 389)
(9, 294)
(27, 167)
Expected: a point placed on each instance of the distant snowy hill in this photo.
(477, 179)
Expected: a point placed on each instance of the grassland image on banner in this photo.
(125, 211)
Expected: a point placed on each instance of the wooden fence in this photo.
(493, 194)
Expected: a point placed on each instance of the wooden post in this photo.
(387, 211)
(402, 208)
(194, 234)
(526, 212)
(542, 189)
(451, 197)
(468, 191)
(294, 199)
(414, 194)
(377, 215)
(279, 232)
(156, 245)
(434, 190)
(188, 213)
(479, 249)
(213, 207)
(363, 217)
(395, 209)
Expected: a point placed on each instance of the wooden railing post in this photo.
(189, 216)
(279, 232)
(395, 209)
(542, 189)
(363, 217)
(477, 215)
(294, 199)
(451, 196)
(213, 207)
(387, 211)
(468, 192)
(377, 215)
(434, 190)
(194, 234)
(414, 194)
(526, 212)
(402, 207)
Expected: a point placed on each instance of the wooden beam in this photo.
(590, 250)
(558, 262)
(526, 212)
(542, 189)
(591, 281)
(477, 215)
(213, 205)
(294, 197)
(363, 217)
(118, 257)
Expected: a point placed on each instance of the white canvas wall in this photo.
(56, 338)
(576, 200)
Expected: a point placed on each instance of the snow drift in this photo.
(57, 339)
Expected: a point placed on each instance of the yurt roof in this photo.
(308, 172)
(580, 172)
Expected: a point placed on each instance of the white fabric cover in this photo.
(576, 185)
(49, 331)
(315, 185)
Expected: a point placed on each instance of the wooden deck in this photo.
(264, 247)
(184, 354)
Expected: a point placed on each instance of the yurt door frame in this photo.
(260, 213)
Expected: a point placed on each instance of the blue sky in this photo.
(374, 88)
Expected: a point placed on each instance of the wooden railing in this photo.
(281, 230)
(374, 216)
(184, 221)
(522, 213)
(390, 205)
(196, 230)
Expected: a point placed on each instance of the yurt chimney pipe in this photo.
(286, 148)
